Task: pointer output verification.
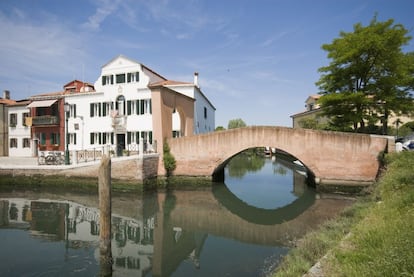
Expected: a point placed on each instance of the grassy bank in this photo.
(374, 237)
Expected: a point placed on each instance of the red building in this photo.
(48, 117)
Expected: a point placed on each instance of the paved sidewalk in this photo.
(17, 161)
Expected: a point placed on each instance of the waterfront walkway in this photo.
(17, 162)
(135, 168)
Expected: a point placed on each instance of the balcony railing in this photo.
(45, 120)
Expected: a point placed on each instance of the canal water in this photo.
(242, 227)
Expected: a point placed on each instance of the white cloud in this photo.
(105, 8)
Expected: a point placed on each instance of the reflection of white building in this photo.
(132, 242)
(119, 111)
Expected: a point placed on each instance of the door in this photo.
(120, 144)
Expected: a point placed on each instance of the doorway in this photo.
(120, 144)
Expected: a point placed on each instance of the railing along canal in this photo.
(94, 154)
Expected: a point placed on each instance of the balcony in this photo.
(45, 120)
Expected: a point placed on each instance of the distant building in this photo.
(4, 123)
(20, 143)
(313, 112)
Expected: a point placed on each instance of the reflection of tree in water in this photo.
(279, 169)
(246, 161)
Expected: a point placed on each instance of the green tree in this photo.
(369, 76)
(220, 128)
(168, 159)
(236, 123)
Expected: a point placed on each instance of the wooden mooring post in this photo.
(105, 211)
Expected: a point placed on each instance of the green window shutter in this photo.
(91, 110)
(129, 107)
(137, 107)
(129, 138)
(150, 106)
(150, 137)
(103, 80)
(103, 109)
(142, 106)
(112, 138)
(74, 110)
(136, 76)
(129, 77)
(137, 137)
(74, 138)
(92, 138)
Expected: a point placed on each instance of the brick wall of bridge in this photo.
(333, 157)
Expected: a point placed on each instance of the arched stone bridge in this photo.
(334, 158)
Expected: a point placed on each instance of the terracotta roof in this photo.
(169, 83)
(20, 103)
(7, 101)
(49, 94)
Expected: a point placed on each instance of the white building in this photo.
(119, 111)
(19, 132)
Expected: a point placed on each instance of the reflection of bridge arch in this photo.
(259, 215)
(333, 157)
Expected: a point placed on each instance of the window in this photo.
(25, 115)
(108, 80)
(13, 143)
(133, 138)
(146, 106)
(95, 109)
(72, 138)
(133, 77)
(96, 138)
(131, 107)
(72, 110)
(205, 112)
(120, 78)
(146, 136)
(13, 119)
(26, 143)
(107, 138)
(42, 137)
(106, 108)
(120, 105)
(55, 138)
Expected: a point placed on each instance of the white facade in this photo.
(119, 112)
(19, 133)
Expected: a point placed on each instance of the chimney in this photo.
(6, 94)
(196, 79)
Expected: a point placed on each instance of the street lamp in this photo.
(67, 108)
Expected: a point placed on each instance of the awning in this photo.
(43, 103)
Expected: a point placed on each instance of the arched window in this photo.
(120, 105)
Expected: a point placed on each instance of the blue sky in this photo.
(257, 60)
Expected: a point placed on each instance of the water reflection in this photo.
(171, 233)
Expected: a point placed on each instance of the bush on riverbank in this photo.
(381, 229)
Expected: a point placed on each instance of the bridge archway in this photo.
(333, 157)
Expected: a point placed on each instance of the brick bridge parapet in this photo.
(332, 157)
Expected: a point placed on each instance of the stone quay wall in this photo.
(134, 168)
